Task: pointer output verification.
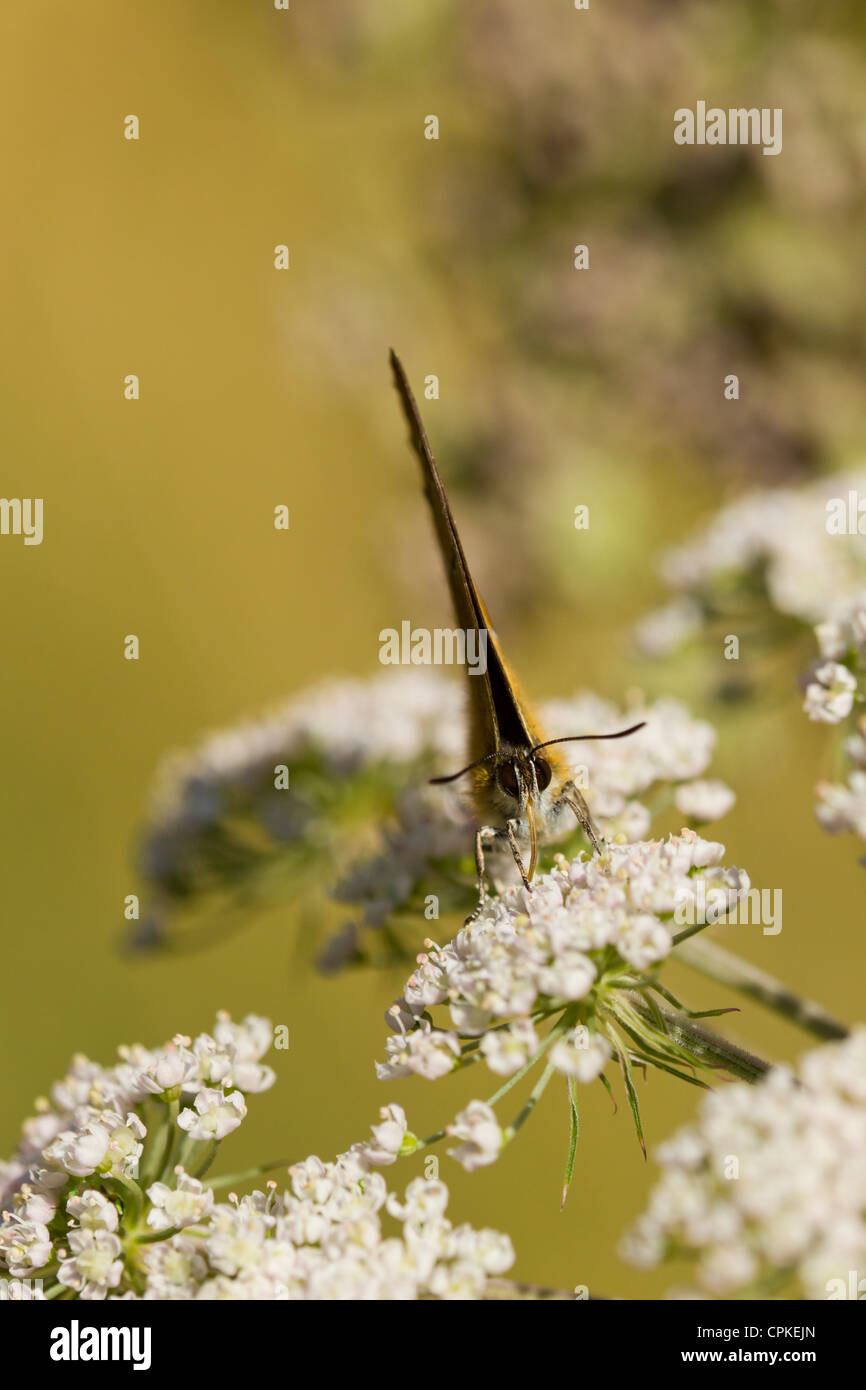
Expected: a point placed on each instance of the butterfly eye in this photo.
(506, 779)
(543, 773)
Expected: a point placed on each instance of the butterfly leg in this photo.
(485, 832)
(491, 832)
(573, 798)
(515, 850)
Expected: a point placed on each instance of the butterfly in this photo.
(521, 790)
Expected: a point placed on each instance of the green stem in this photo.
(573, 1136)
(709, 1048)
(229, 1179)
(173, 1141)
(687, 932)
(150, 1237)
(153, 1162)
(130, 1195)
(725, 968)
(535, 1096)
(208, 1159)
(556, 1032)
(425, 1143)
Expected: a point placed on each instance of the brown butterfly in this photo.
(521, 790)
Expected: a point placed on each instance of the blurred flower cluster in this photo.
(835, 693)
(579, 953)
(106, 1197)
(236, 818)
(337, 780)
(768, 554)
(767, 1191)
(785, 568)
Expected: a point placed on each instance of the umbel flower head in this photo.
(578, 955)
(835, 695)
(106, 1196)
(254, 804)
(766, 1193)
(775, 564)
(345, 766)
(784, 562)
(771, 548)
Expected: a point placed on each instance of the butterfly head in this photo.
(524, 782)
(521, 776)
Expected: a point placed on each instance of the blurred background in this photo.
(258, 387)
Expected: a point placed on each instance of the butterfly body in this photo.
(521, 790)
(525, 793)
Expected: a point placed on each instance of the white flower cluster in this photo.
(98, 1201)
(841, 807)
(324, 1239)
(830, 693)
(75, 1195)
(290, 789)
(802, 553)
(768, 1190)
(528, 954)
(672, 748)
(394, 717)
(526, 948)
(779, 535)
(833, 691)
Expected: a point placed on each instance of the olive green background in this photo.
(259, 388)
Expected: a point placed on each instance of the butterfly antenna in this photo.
(437, 781)
(577, 738)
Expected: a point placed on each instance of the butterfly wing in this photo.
(498, 713)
